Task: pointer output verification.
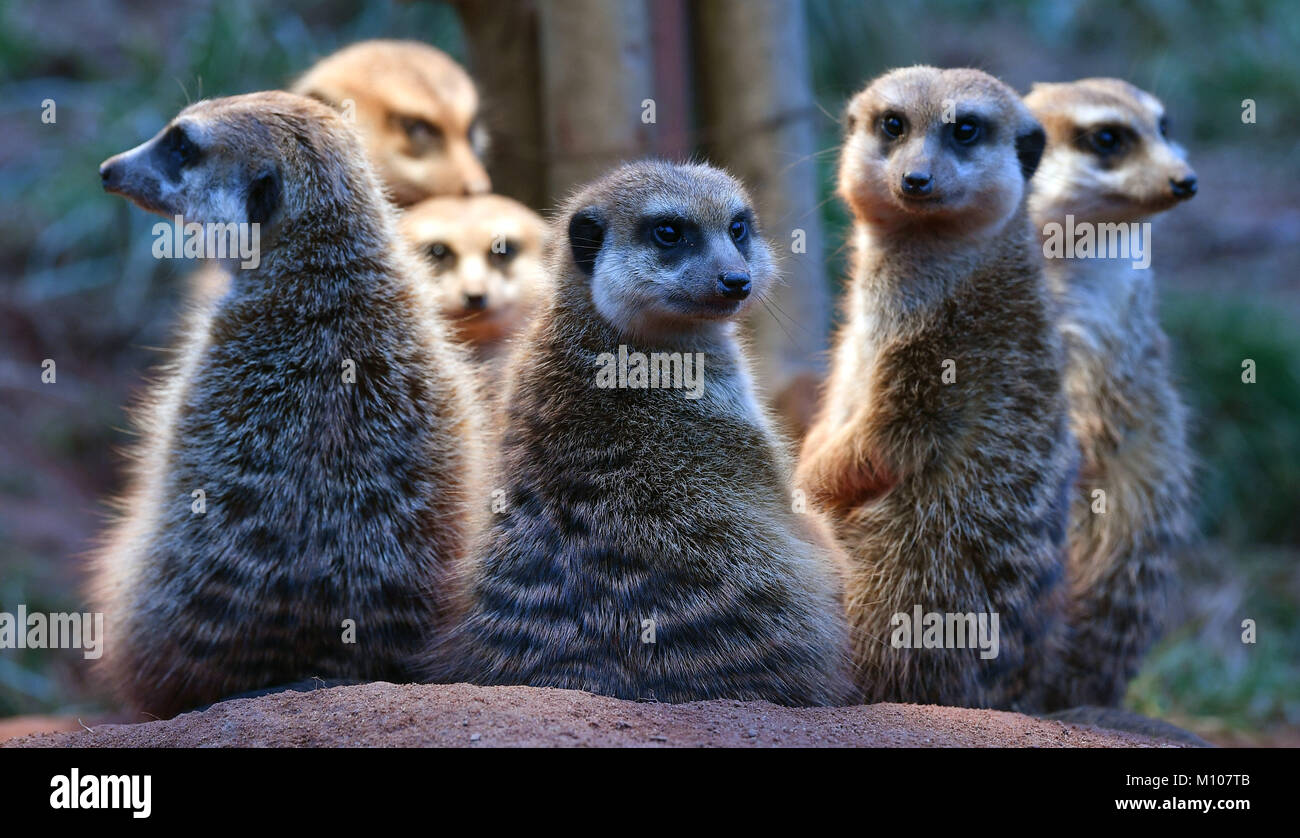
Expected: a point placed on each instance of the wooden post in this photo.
(505, 61)
(758, 119)
(597, 84)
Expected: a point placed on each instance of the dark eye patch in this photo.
(1105, 141)
(892, 125)
(422, 134)
(670, 234)
(501, 258)
(176, 151)
(441, 256)
(966, 130)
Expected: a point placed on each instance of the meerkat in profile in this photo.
(648, 544)
(485, 252)
(942, 451)
(309, 464)
(1109, 164)
(416, 110)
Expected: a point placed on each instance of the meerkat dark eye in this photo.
(423, 135)
(966, 131)
(739, 230)
(892, 126)
(503, 254)
(182, 151)
(668, 234)
(1164, 127)
(441, 256)
(1104, 141)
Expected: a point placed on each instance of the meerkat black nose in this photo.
(918, 183)
(1184, 188)
(108, 174)
(476, 302)
(734, 285)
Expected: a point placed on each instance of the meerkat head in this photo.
(950, 149)
(1109, 156)
(261, 158)
(416, 110)
(665, 249)
(485, 252)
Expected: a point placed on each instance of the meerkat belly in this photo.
(655, 583)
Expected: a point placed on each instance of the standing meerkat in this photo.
(320, 410)
(648, 547)
(485, 252)
(1109, 163)
(943, 450)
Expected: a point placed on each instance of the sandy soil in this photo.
(461, 715)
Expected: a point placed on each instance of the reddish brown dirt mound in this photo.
(467, 716)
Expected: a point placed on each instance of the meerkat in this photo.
(648, 544)
(1109, 161)
(308, 467)
(418, 114)
(417, 111)
(485, 252)
(942, 452)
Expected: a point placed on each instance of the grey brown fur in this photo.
(325, 501)
(951, 496)
(625, 505)
(1124, 409)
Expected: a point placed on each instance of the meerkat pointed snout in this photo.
(162, 175)
(1111, 155)
(648, 544)
(308, 465)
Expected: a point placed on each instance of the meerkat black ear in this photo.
(586, 235)
(263, 197)
(1029, 149)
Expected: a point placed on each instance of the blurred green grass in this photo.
(1246, 438)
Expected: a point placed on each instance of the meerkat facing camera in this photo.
(485, 252)
(1109, 163)
(309, 465)
(649, 546)
(942, 451)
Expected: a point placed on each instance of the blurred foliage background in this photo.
(78, 284)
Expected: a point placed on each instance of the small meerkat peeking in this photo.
(942, 451)
(485, 252)
(647, 543)
(1110, 164)
(309, 464)
(416, 110)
